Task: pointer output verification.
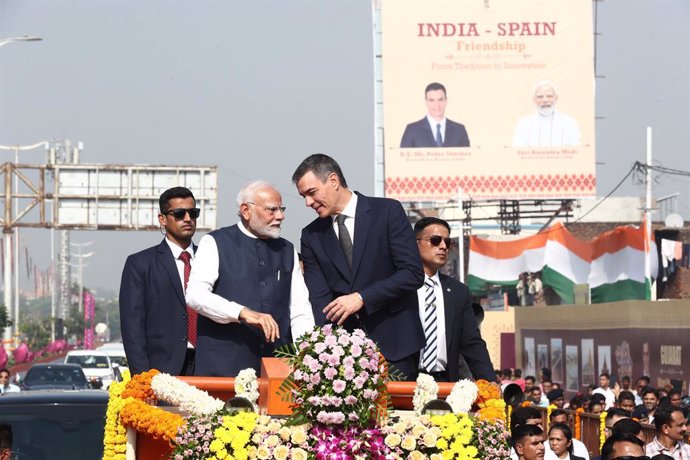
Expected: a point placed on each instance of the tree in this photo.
(37, 331)
(5, 322)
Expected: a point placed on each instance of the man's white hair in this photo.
(248, 192)
(544, 84)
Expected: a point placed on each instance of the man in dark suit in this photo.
(435, 130)
(157, 329)
(445, 307)
(360, 262)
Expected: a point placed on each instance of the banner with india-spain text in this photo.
(514, 115)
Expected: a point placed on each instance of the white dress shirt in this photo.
(349, 213)
(441, 351)
(433, 124)
(579, 450)
(176, 251)
(200, 295)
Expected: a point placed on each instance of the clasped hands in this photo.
(343, 307)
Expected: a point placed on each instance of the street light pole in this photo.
(23, 38)
(12, 233)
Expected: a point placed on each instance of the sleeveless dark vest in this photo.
(254, 273)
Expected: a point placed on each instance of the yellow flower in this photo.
(263, 453)
(298, 454)
(429, 439)
(284, 433)
(272, 440)
(415, 455)
(442, 444)
(409, 443)
(392, 440)
(281, 452)
(216, 445)
(298, 435)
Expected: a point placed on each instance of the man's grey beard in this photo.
(265, 230)
(547, 111)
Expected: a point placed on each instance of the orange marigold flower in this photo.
(156, 422)
(139, 387)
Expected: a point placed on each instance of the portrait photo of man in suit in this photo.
(248, 288)
(361, 263)
(158, 330)
(435, 130)
(445, 308)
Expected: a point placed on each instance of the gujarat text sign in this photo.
(494, 97)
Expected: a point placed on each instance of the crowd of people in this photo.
(626, 408)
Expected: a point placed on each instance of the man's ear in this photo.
(519, 448)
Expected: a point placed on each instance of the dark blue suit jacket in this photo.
(386, 271)
(153, 312)
(419, 134)
(462, 333)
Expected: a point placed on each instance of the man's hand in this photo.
(262, 321)
(342, 307)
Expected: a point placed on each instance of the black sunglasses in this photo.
(435, 240)
(178, 213)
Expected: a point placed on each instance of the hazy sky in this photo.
(254, 86)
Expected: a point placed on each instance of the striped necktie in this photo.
(430, 327)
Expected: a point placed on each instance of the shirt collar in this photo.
(244, 230)
(176, 250)
(351, 207)
(435, 278)
(433, 123)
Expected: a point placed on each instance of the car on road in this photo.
(96, 364)
(55, 376)
(55, 424)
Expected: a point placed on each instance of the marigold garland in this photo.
(115, 434)
(602, 429)
(156, 422)
(510, 415)
(548, 415)
(578, 423)
(139, 387)
(493, 409)
(487, 391)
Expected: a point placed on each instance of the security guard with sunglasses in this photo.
(158, 329)
(445, 308)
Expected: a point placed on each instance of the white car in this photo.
(95, 364)
(118, 358)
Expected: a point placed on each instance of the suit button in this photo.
(185, 339)
(262, 284)
(184, 316)
(264, 303)
(261, 262)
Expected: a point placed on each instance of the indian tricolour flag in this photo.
(613, 263)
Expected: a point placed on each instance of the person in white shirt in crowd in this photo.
(5, 385)
(559, 416)
(547, 127)
(671, 426)
(247, 285)
(560, 443)
(605, 390)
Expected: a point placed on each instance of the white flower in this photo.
(174, 391)
(462, 396)
(425, 391)
(246, 385)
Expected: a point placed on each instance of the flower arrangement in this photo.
(462, 396)
(549, 409)
(412, 438)
(491, 410)
(139, 387)
(246, 386)
(336, 379)
(456, 435)
(232, 436)
(189, 398)
(486, 391)
(273, 439)
(193, 439)
(491, 440)
(344, 443)
(426, 390)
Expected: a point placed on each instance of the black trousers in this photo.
(188, 367)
